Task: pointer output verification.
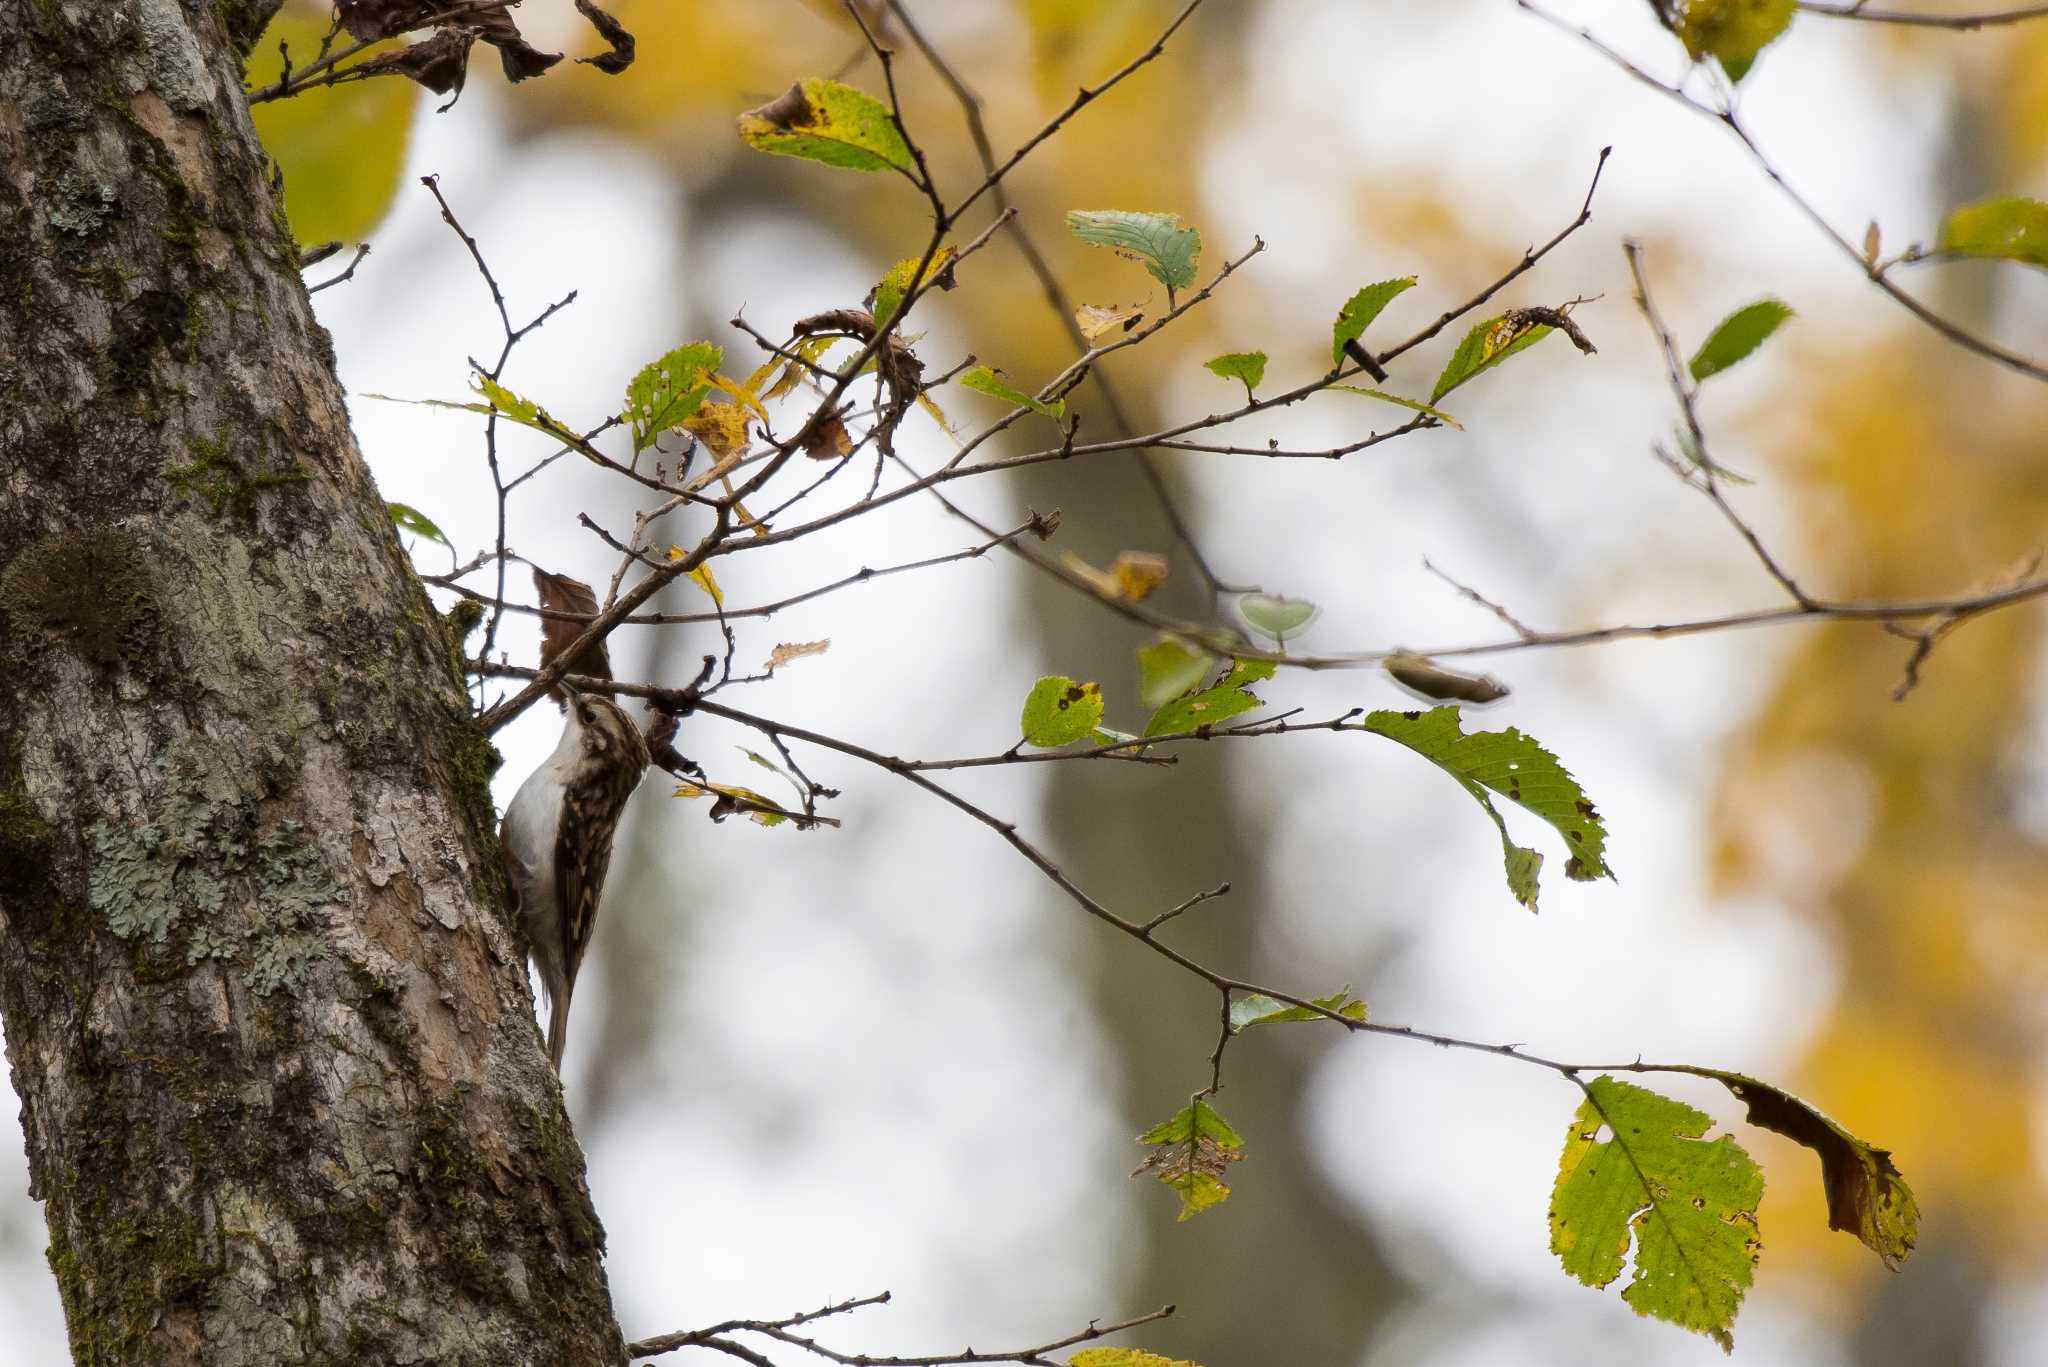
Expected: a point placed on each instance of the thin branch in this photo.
(361, 251)
(1058, 299)
(1707, 481)
(1513, 623)
(1987, 19)
(322, 71)
(1081, 99)
(1876, 272)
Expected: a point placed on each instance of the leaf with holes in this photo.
(1636, 1169)
(891, 288)
(1225, 698)
(1191, 1152)
(1735, 336)
(1866, 1195)
(667, 391)
(1059, 711)
(1359, 311)
(825, 121)
(2011, 228)
(1158, 241)
(1097, 321)
(1515, 766)
(1486, 346)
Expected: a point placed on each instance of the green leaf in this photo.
(1124, 1357)
(827, 122)
(519, 409)
(1168, 668)
(416, 522)
(1359, 311)
(891, 288)
(1256, 1008)
(1192, 1150)
(2014, 229)
(670, 389)
(341, 149)
(1733, 32)
(1220, 701)
(1167, 249)
(984, 380)
(1415, 404)
(1486, 346)
(1247, 367)
(1635, 1168)
(1735, 336)
(1866, 1195)
(1059, 711)
(1515, 766)
(1276, 616)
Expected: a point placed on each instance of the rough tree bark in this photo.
(281, 1086)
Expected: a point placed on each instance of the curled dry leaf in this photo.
(560, 593)
(827, 439)
(1097, 321)
(440, 63)
(794, 650)
(723, 427)
(901, 371)
(613, 32)
(1421, 675)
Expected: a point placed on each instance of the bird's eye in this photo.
(586, 715)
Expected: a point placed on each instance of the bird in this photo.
(557, 842)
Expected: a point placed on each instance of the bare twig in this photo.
(1876, 272)
(1707, 481)
(362, 251)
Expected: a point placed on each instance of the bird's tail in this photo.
(558, 1029)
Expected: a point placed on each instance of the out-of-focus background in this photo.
(892, 1056)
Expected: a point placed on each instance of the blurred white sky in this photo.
(877, 1027)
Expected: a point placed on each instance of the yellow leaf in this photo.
(341, 148)
(1097, 320)
(1131, 579)
(704, 580)
(742, 392)
(723, 427)
(794, 650)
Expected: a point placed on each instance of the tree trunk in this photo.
(283, 1094)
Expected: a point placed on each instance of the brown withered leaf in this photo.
(1420, 674)
(794, 650)
(373, 19)
(827, 439)
(901, 371)
(440, 63)
(1867, 1197)
(519, 58)
(560, 593)
(1098, 320)
(613, 32)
